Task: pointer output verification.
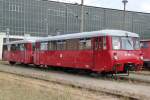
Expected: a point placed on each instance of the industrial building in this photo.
(42, 18)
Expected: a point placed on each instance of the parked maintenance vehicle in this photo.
(145, 47)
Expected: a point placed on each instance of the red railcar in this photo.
(19, 51)
(112, 51)
(145, 47)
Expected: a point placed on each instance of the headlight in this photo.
(115, 57)
(141, 58)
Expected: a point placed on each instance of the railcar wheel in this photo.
(12, 62)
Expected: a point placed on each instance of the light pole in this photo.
(47, 25)
(47, 22)
(82, 16)
(124, 12)
(24, 22)
(66, 21)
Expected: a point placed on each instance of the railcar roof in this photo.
(91, 34)
(20, 41)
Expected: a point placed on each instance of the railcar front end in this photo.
(126, 54)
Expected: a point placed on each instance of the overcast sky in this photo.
(133, 5)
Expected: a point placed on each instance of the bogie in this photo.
(12, 62)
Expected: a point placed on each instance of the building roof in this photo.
(91, 34)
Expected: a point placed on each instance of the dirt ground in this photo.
(14, 87)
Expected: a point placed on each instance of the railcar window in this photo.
(88, 44)
(22, 47)
(104, 43)
(8, 46)
(116, 43)
(64, 45)
(13, 47)
(61, 45)
(44, 46)
(144, 45)
(85, 44)
(52, 45)
(136, 43)
(82, 44)
(72, 44)
(100, 43)
(127, 43)
(17, 46)
(5, 48)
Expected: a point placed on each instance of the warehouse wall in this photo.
(39, 17)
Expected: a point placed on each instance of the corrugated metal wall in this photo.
(39, 18)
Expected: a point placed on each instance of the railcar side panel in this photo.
(21, 53)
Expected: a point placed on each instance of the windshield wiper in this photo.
(130, 43)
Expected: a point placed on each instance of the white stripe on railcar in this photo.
(20, 41)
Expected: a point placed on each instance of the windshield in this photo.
(125, 43)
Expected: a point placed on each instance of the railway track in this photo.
(92, 84)
(141, 77)
(134, 77)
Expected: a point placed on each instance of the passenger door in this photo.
(98, 53)
(22, 52)
(84, 56)
(37, 54)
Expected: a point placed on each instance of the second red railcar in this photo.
(19, 51)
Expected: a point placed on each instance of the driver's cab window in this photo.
(116, 44)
